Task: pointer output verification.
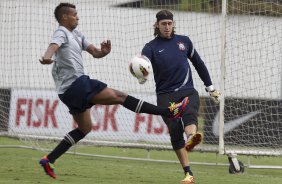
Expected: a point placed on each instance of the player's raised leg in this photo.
(110, 96)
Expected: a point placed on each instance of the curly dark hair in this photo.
(162, 13)
(61, 9)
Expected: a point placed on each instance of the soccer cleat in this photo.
(48, 167)
(188, 179)
(193, 141)
(177, 109)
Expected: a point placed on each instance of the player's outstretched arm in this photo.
(47, 58)
(205, 76)
(99, 53)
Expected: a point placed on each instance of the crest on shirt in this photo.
(181, 46)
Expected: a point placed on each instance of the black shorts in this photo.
(77, 97)
(190, 114)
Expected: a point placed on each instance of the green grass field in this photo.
(20, 166)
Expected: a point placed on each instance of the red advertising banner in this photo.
(36, 112)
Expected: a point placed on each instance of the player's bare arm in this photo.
(47, 58)
(99, 53)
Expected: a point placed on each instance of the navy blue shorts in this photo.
(77, 97)
(189, 116)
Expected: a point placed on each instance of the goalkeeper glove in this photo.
(214, 94)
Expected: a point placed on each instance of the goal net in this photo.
(242, 51)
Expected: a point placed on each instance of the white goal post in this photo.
(239, 40)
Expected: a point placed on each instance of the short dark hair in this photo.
(61, 9)
(163, 14)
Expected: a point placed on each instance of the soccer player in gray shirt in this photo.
(77, 91)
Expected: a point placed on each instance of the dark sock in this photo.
(187, 170)
(140, 106)
(70, 139)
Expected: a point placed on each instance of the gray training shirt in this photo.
(68, 62)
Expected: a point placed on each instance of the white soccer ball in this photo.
(140, 67)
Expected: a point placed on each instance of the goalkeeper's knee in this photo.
(177, 144)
